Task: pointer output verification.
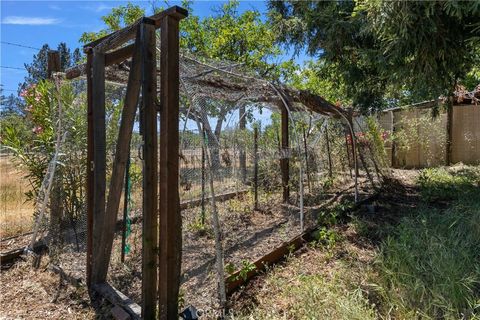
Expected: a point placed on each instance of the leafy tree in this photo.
(431, 45)
(338, 34)
(384, 51)
(228, 35)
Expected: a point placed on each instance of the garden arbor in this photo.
(161, 211)
(129, 56)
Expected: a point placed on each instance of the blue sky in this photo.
(34, 23)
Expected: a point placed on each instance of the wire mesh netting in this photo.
(231, 177)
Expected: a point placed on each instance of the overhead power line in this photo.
(14, 68)
(19, 45)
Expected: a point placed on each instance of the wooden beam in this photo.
(284, 160)
(90, 179)
(76, 71)
(218, 197)
(99, 165)
(150, 171)
(119, 55)
(117, 298)
(119, 37)
(120, 160)
(170, 254)
(126, 204)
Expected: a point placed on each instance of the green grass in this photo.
(425, 265)
(300, 295)
(430, 267)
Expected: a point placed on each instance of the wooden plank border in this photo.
(219, 197)
(117, 298)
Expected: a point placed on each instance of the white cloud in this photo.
(30, 21)
(54, 7)
(98, 7)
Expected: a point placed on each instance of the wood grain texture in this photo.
(150, 172)
(90, 152)
(284, 161)
(170, 218)
(99, 164)
(120, 160)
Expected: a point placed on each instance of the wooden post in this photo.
(242, 155)
(393, 162)
(150, 170)
(53, 63)
(120, 161)
(330, 174)
(354, 151)
(56, 201)
(90, 178)
(307, 167)
(348, 151)
(99, 164)
(203, 180)
(255, 167)
(284, 161)
(125, 207)
(170, 254)
(448, 145)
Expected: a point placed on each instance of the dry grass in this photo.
(40, 294)
(315, 284)
(15, 212)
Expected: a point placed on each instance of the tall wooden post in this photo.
(98, 164)
(90, 179)
(285, 154)
(203, 180)
(170, 237)
(242, 155)
(255, 167)
(150, 171)
(330, 174)
(346, 130)
(56, 204)
(53, 63)
(448, 145)
(126, 195)
(393, 155)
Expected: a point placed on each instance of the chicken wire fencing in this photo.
(230, 177)
(60, 216)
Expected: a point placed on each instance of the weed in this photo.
(429, 267)
(438, 184)
(327, 237)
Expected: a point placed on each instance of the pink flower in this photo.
(38, 98)
(29, 108)
(37, 130)
(23, 93)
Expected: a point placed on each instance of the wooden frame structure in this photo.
(161, 223)
(161, 244)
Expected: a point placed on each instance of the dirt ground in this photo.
(40, 294)
(354, 251)
(247, 235)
